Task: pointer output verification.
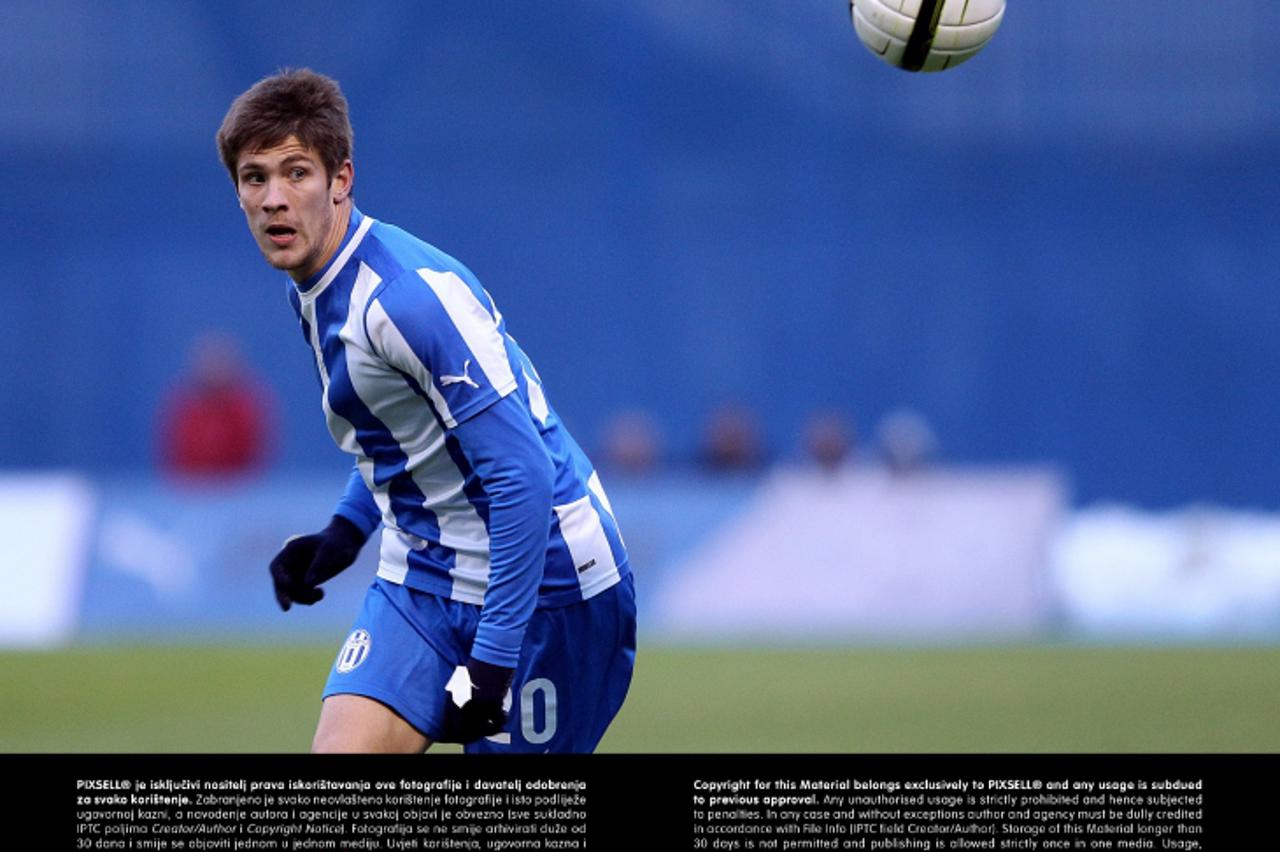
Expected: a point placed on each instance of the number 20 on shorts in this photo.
(528, 716)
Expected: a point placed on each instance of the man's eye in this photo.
(252, 179)
(297, 173)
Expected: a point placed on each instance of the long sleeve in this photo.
(503, 448)
(357, 504)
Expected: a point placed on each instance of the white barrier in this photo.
(864, 552)
(1195, 572)
(45, 526)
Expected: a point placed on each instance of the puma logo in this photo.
(445, 381)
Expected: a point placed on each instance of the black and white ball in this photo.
(926, 35)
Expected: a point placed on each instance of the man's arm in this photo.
(357, 504)
(505, 451)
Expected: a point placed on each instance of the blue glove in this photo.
(479, 702)
(306, 561)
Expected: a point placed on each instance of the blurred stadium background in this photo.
(990, 356)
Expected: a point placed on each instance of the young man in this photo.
(503, 612)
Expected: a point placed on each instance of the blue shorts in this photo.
(572, 676)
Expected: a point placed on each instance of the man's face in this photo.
(294, 209)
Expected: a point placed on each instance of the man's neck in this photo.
(333, 240)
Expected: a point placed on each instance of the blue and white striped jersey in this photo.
(410, 349)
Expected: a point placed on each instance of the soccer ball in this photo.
(926, 35)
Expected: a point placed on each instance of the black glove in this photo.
(306, 561)
(477, 708)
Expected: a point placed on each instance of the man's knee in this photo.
(356, 724)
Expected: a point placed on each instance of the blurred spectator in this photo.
(732, 440)
(829, 440)
(906, 440)
(218, 420)
(632, 442)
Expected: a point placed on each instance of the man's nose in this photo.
(273, 198)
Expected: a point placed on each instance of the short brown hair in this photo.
(294, 102)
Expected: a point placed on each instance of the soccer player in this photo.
(503, 611)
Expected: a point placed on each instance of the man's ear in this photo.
(343, 182)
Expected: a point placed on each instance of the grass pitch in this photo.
(865, 699)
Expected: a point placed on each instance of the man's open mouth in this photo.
(281, 234)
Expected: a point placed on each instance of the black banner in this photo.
(734, 803)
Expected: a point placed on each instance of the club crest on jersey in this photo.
(354, 651)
